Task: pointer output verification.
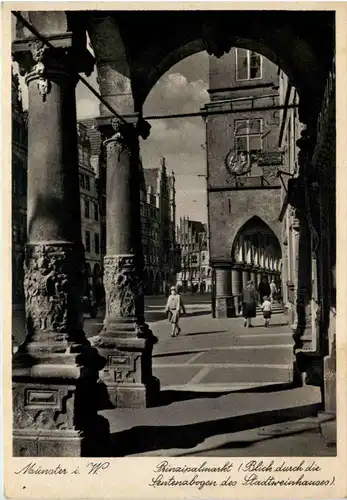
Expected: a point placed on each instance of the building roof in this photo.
(196, 226)
(151, 176)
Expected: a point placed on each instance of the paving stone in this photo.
(173, 375)
(279, 355)
(247, 374)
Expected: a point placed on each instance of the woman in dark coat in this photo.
(249, 304)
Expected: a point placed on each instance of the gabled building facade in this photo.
(244, 192)
(195, 273)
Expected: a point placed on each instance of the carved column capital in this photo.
(40, 62)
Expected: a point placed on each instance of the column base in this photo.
(127, 374)
(35, 443)
(225, 307)
(327, 424)
(311, 367)
(56, 398)
(329, 364)
(134, 395)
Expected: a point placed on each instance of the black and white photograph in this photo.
(173, 215)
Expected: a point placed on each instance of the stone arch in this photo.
(97, 270)
(273, 225)
(257, 225)
(280, 36)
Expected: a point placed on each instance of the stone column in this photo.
(246, 274)
(224, 299)
(302, 324)
(254, 277)
(236, 286)
(55, 370)
(125, 341)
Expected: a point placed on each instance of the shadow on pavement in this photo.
(285, 386)
(176, 353)
(204, 312)
(205, 333)
(275, 325)
(153, 316)
(144, 439)
(168, 397)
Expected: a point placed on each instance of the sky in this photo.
(181, 141)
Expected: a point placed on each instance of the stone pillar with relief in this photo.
(55, 370)
(125, 340)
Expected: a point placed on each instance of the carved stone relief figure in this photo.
(51, 275)
(122, 286)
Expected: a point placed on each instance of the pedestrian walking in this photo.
(173, 308)
(266, 307)
(264, 289)
(273, 291)
(249, 304)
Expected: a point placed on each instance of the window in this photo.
(87, 180)
(96, 243)
(248, 139)
(87, 241)
(248, 65)
(82, 181)
(86, 209)
(96, 212)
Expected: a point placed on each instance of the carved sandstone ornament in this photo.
(122, 286)
(38, 50)
(215, 44)
(122, 136)
(52, 284)
(238, 163)
(42, 416)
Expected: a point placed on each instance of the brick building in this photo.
(244, 192)
(158, 218)
(90, 213)
(195, 269)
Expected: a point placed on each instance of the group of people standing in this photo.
(266, 296)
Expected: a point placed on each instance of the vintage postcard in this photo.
(174, 288)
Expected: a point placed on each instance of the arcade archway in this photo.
(256, 254)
